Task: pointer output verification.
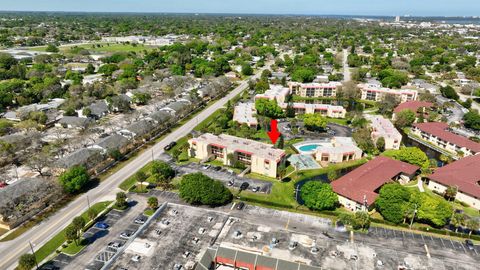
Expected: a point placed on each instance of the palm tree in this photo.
(472, 225)
(457, 220)
(450, 193)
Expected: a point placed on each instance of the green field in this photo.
(100, 48)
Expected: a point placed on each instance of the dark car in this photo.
(240, 205)
(469, 244)
(217, 168)
(101, 225)
(244, 186)
(169, 146)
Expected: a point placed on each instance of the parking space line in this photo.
(475, 251)
(394, 233)
(452, 244)
(464, 250)
(413, 237)
(443, 243)
(423, 239)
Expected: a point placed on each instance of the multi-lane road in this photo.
(10, 251)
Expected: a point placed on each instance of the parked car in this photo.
(240, 205)
(101, 225)
(206, 167)
(140, 219)
(169, 146)
(115, 244)
(217, 168)
(230, 183)
(244, 186)
(126, 234)
(136, 258)
(469, 244)
(255, 189)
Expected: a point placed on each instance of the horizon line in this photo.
(231, 13)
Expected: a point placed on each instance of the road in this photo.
(107, 189)
(346, 69)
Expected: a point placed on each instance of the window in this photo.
(244, 158)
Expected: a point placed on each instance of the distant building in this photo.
(276, 92)
(261, 157)
(335, 150)
(382, 127)
(376, 93)
(314, 89)
(463, 175)
(358, 189)
(244, 114)
(438, 134)
(73, 122)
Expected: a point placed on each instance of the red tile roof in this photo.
(363, 181)
(412, 105)
(463, 173)
(439, 130)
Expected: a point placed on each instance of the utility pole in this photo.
(88, 202)
(414, 212)
(152, 154)
(33, 252)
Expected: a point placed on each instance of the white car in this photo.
(136, 258)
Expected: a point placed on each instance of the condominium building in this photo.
(438, 134)
(261, 157)
(382, 127)
(244, 113)
(331, 111)
(280, 93)
(358, 189)
(463, 175)
(377, 93)
(414, 106)
(276, 92)
(333, 150)
(314, 89)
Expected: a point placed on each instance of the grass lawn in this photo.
(131, 181)
(343, 122)
(72, 248)
(59, 239)
(148, 212)
(3, 231)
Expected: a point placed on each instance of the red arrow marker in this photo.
(273, 133)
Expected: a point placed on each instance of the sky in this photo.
(310, 7)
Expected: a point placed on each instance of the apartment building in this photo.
(314, 89)
(438, 134)
(261, 157)
(276, 92)
(244, 113)
(463, 175)
(414, 106)
(326, 110)
(376, 93)
(358, 189)
(382, 127)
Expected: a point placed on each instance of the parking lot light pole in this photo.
(33, 252)
(88, 202)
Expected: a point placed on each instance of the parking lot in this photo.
(103, 242)
(230, 179)
(176, 237)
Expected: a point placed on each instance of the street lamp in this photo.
(414, 212)
(33, 252)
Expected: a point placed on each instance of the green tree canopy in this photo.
(449, 92)
(303, 75)
(197, 188)
(392, 202)
(314, 121)
(161, 171)
(411, 155)
(74, 179)
(152, 202)
(268, 108)
(405, 118)
(247, 70)
(26, 262)
(319, 196)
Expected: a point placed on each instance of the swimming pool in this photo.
(308, 147)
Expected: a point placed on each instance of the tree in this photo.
(162, 172)
(74, 179)
(319, 196)
(386, 106)
(457, 220)
(140, 177)
(26, 262)
(472, 120)
(405, 118)
(52, 48)
(140, 98)
(71, 233)
(303, 75)
(268, 108)
(92, 213)
(435, 211)
(247, 70)
(281, 171)
(472, 225)
(90, 69)
(280, 142)
(198, 189)
(380, 144)
(393, 78)
(332, 175)
(314, 121)
(450, 193)
(152, 202)
(290, 111)
(392, 202)
(411, 155)
(449, 92)
(121, 200)
(360, 220)
(362, 137)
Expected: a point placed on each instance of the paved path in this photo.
(107, 189)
